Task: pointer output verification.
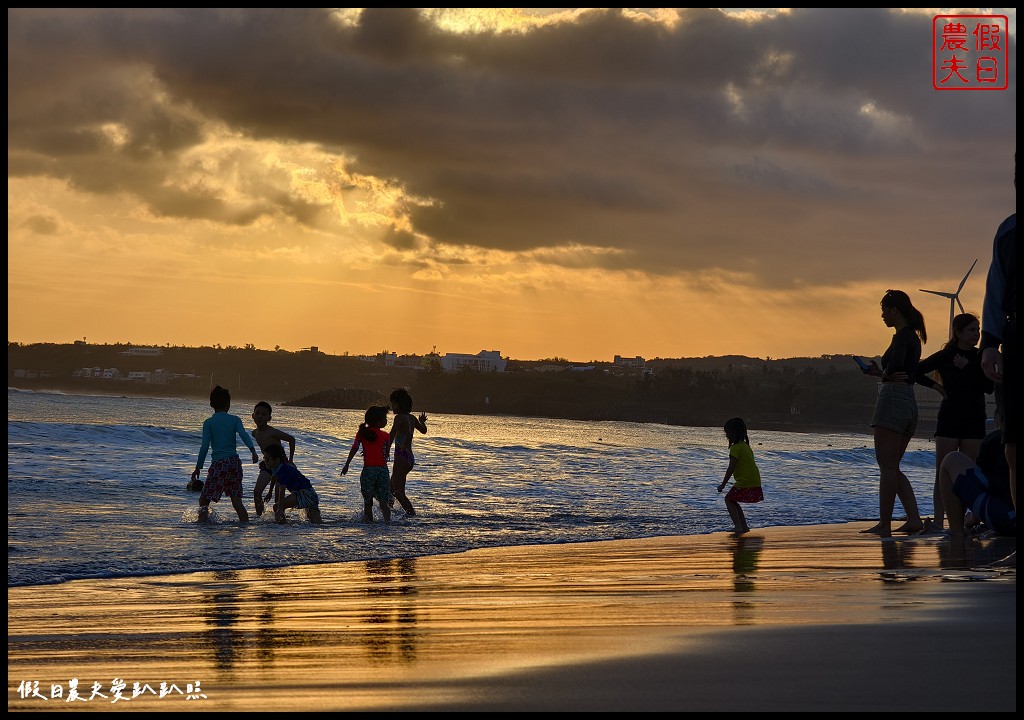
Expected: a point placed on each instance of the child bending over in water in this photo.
(287, 476)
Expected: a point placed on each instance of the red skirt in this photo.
(745, 495)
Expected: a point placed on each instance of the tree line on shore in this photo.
(801, 393)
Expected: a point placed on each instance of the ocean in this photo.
(96, 486)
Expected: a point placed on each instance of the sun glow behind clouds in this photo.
(579, 177)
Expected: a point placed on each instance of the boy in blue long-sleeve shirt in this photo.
(225, 474)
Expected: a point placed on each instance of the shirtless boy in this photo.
(265, 435)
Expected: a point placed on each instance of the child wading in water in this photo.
(375, 480)
(265, 435)
(747, 488)
(225, 474)
(401, 436)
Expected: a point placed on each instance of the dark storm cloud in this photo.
(694, 147)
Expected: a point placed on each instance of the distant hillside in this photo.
(794, 393)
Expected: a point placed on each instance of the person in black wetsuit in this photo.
(895, 417)
(962, 414)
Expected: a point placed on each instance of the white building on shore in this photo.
(483, 361)
(633, 362)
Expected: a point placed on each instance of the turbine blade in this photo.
(961, 305)
(966, 276)
(939, 292)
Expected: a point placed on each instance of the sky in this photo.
(569, 182)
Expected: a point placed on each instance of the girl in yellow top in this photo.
(747, 488)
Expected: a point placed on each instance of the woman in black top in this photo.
(895, 417)
(962, 414)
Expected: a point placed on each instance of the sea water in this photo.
(96, 486)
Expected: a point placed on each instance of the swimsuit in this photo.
(405, 454)
(219, 432)
(307, 498)
(403, 443)
(295, 482)
(223, 478)
(375, 482)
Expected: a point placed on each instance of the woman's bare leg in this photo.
(889, 448)
(905, 492)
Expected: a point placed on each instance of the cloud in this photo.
(803, 148)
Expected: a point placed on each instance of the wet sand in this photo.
(805, 618)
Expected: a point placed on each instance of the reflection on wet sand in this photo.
(904, 558)
(897, 554)
(746, 551)
(971, 551)
(250, 618)
(391, 610)
(366, 635)
(222, 636)
(238, 612)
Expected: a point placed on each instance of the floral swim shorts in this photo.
(375, 482)
(223, 478)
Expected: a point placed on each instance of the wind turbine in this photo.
(954, 298)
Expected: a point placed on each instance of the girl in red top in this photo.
(375, 481)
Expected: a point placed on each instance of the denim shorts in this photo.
(896, 408)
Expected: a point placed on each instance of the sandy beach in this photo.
(789, 618)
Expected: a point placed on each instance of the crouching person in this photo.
(300, 491)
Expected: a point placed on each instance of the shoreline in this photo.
(802, 614)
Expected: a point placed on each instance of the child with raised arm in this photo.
(374, 481)
(225, 474)
(287, 476)
(265, 435)
(747, 488)
(402, 430)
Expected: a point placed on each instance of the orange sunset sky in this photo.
(572, 182)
